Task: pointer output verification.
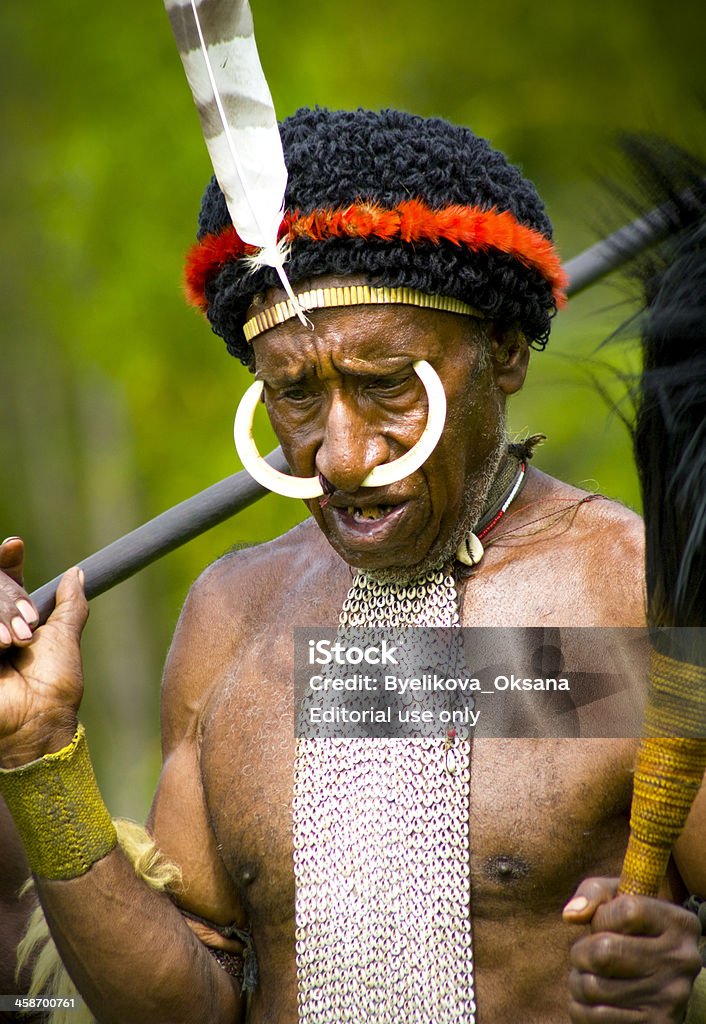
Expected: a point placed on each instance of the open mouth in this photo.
(371, 512)
(368, 535)
(368, 523)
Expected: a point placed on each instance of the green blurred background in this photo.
(117, 402)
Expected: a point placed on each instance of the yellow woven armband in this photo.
(59, 812)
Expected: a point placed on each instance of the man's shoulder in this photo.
(244, 580)
(591, 513)
(582, 550)
(247, 593)
(604, 517)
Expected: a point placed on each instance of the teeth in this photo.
(373, 512)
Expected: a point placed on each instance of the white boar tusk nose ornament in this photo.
(380, 476)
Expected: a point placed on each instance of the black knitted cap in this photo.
(335, 158)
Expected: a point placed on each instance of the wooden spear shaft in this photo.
(125, 557)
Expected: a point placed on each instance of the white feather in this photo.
(217, 46)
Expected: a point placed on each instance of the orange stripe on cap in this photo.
(411, 221)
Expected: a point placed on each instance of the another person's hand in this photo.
(41, 681)
(639, 961)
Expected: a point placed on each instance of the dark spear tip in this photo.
(652, 227)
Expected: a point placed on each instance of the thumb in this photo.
(12, 555)
(71, 608)
(587, 899)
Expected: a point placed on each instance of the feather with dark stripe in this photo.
(217, 46)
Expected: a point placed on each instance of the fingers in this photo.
(611, 956)
(648, 975)
(12, 556)
(642, 915)
(639, 953)
(595, 902)
(590, 895)
(18, 616)
(71, 607)
(580, 1013)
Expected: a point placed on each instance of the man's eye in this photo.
(295, 395)
(389, 385)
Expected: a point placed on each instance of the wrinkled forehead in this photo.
(360, 339)
(364, 341)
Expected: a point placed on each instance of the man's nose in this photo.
(351, 445)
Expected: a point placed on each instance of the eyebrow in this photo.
(384, 366)
(281, 379)
(354, 367)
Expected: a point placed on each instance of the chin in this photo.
(402, 567)
(431, 562)
(379, 563)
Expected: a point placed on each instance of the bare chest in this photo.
(543, 814)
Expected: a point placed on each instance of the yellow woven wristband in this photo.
(59, 812)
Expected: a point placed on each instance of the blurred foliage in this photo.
(116, 400)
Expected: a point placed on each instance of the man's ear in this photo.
(509, 354)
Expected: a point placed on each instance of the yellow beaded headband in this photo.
(352, 295)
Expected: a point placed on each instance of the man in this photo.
(383, 929)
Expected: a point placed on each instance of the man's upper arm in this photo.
(199, 659)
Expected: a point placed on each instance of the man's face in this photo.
(344, 398)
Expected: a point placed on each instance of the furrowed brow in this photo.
(282, 379)
(375, 368)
